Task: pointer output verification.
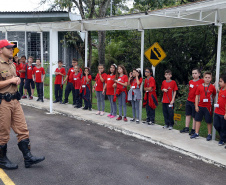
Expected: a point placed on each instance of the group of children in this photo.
(199, 106)
(114, 84)
(30, 76)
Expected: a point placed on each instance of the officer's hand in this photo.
(14, 80)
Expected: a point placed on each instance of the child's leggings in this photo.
(113, 105)
(122, 103)
(100, 100)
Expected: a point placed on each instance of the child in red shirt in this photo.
(121, 83)
(110, 90)
(22, 71)
(17, 65)
(85, 90)
(77, 77)
(204, 95)
(169, 89)
(69, 80)
(38, 76)
(60, 73)
(98, 87)
(220, 111)
(190, 103)
(150, 97)
(134, 94)
(29, 83)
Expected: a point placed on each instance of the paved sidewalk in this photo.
(201, 149)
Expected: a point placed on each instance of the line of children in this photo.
(198, 104)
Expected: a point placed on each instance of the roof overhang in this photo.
(33, 17)
(205, 12)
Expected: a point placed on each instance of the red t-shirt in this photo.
(59, 78)
(150, 82)
(85, 83)
(22, 67)
(38, 72)
(193, 85)
(17, 69)
(70, 74)
(122, 79)
(77, 80)
(221, 102)
(99, 84)
(29, 71)
(172, 87)
(110, 90)
(205, 95)
(133, 84)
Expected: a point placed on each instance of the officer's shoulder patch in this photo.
(4, 71)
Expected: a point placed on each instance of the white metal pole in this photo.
(42, 50)
(25, 40)
(50, 72)
(6, 35)
(153, 69)
(42, 58)
(217, 68)
(86, 49)
(142, 69)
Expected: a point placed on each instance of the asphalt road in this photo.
(83, 153)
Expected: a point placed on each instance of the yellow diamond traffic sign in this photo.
(155, 54)
(15, 51)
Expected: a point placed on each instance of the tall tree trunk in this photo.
(101, 46)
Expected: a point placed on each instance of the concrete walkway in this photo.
(200, 149)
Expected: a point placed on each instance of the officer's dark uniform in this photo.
(12, 116)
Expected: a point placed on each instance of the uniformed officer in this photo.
(11, 113)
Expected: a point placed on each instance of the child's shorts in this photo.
(190, 109)
(203, 111)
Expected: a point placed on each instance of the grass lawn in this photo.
(158, 112)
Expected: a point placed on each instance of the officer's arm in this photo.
(5, 83)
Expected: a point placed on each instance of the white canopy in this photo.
(194, 14)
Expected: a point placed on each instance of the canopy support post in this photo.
(25, 41)
(217, 68)
(86, 49)
(142, 69)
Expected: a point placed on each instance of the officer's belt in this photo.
(9, 96)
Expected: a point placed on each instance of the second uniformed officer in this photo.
(11, 113)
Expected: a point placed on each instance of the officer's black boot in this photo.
(5, 163)
(29, 159)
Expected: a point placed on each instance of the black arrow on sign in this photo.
(153, 56)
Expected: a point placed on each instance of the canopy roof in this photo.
(194, 14)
